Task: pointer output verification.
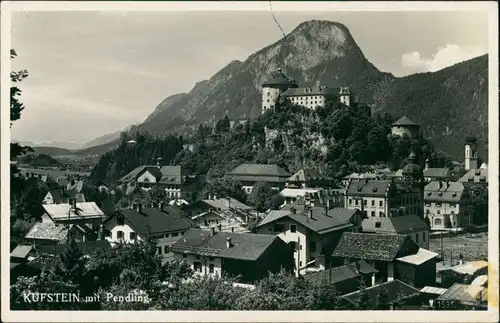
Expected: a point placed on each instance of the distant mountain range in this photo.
(449, 104)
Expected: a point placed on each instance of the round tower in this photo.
(274, 87)
(471, 153)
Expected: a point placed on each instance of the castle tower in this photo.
(346, 97)
(272, 89)
(471, 153)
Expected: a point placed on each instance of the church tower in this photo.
(274, 87)
(413, 176)
(346, 97)
(471, 153)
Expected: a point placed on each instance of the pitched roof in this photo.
(304, 175)
(21, 251)
(58, 196)
(319, 223)
(59, 212)
(369, 246)
(369, 187)
(264, 170)
(165, 174)
(464, 293)
(222, 203)
(448, 192)
(245, 246)
(405, 121)
(48, 231)
(86, 247)
(342, 273)
(154, 221)
(394, 225)
(395, 290)
(79, 186)
(419, 258)
(280, 79)
(362, 176)
(470, 268)
(295, 192)
(312, 91)
(475, 176)
(437, 172)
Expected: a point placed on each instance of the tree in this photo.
(260, 195)
(479, 196)
(275, 202)
(363, 302)
(382, 301)
(223, 125)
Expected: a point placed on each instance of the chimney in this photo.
(160, 205)
(228, 243)
(310, 213)
(138, 207)
(373, 279)
(358, 267)
(328, 206)
(212, 231)
(158, 162)
(215, 196)
(427, 163)
(232, 229)
(101, 232)
(219, 227)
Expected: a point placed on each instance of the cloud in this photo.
(444, 57)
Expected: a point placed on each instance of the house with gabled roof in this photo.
(463, 297)
(54, 233)
(394, 256)
(436, 174)
(249, 256)
(168, 178)
(165, 223)
(312, 232)
(309, 178)
(84, 214)
(476, 176)
(411, 225)
(447, 205)
(81, 190)
(405, 126)
(250, 174)
(54, 197)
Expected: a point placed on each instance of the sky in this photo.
(93, 73)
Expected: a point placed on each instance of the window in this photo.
(350, 201)
(453, 204)
(381, 214)
(210, 258)
(278, 227)
(373, 202)
(166, 235)
(175, 234)
(197, 266)
(365, 202)
(427, 204)
(423, 237)
(120, 220)
(437, 221)
(211, 268)
(166, 249)
(380, 203)
(373, 213)
(416, 238)
(132, 235)
(300, 263)
(293, 228)
(312, 246)
(438, 204)
(438, 211)
(356, 202)
(293, 245)
(119, 234)
(158, 250)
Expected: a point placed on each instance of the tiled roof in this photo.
(405, 121)
(312, 91)
(437, 172)
(475, 176)
(83, 210)
(154, 221)
(369, 246)
(279, 78)
(470, 268)
(433, 290)
(419, 258)
(319, 223)
(338, 274)
(165, 174)
(269, 170)
(395, 290)
(305, 175)
(394, 225)
(448, 192)
(464, 293)
(48, 231)
(87, 247)
(244, 246)
(369, 187)
(21, 251)
(222, 203)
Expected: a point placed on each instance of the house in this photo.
(87, 248)
(53, 233)
(313, 196)
(55, 197)
(292, 194)
(220, 221)
(383, 197)
(358, 176)
(394, 256)
(219, 205)
(405, 126)
(463, 297)
(447, 205)
(81, 190)
(168, 178)
(308, 178)
(178, 202)
(478, 176)
(21, 254)
(250, 256)
(84, 214)
(410, 225)
(345, 278)
(464, 273)
(250, 174)
(436, 174)
(430, 293)
(313, 232)
(399, 295)
(138, 223)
